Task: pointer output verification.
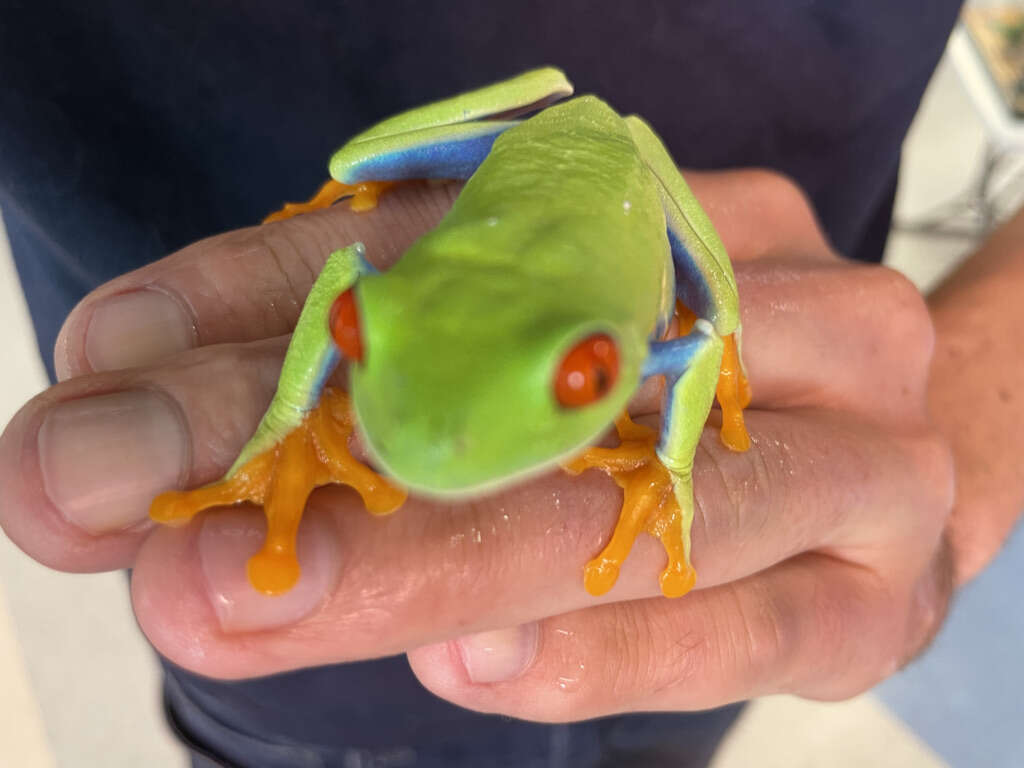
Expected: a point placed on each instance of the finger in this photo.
(240, 286)
(250, 284)
(380, 586)
(759, 212)
(218, 394)
(833, 333)
(80, 463)
(813, 626)
(73, 500)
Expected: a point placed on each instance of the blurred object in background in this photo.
(987, 52)
(997, 32)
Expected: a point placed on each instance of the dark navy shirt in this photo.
(130, 129)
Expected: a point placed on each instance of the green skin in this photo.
(559, 233)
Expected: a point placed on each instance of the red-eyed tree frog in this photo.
(508, 339)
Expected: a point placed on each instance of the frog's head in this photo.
(462, 388)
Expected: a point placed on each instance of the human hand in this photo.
(976, 377)
(819, 551)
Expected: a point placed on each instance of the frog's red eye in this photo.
(344, 323)
(588, 372)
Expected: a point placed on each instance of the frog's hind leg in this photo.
(363, 170)
(444, 140)
(364, 198)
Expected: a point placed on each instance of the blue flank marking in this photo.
(691, 288)
(444, 160)
(330, 362)
(666, 317)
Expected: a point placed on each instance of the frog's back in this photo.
(568, 158)
(565, 208)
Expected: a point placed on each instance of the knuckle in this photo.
(719, 486)
(908, 322)
(279, 277)
(828, 625)
(784, 204)
(727, 647)
(740, 498)
(764, 638)
(934, 461)
(929, 603)
(471, 564)
(403, 214)
(925, 490)
(254, 305)
(672, 657)
(654, 657)
(846, 635)
(629, 649)
(224, 414)
(774, 185)
(870, 629)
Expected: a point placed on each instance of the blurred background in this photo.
(79, 685)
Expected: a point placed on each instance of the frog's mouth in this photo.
(450, 468)
(442, 467)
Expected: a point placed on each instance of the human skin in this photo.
(976, 396)
(823, 555)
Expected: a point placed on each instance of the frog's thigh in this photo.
(447, 139)
(523, 93)
(365, 169)
(705, 283)
(441, 152)
(444, 140)
(704, 278)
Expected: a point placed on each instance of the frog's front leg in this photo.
(657, 475)
(301, 442)
(280, 480)
(444, 140)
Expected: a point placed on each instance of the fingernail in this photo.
(136, 328)
(229, 538)
(104, 458)
(499, 655)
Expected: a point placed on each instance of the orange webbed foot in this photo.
(733, 393)
(364, 198)
(733, 390)
(648, 504)
(281, 479)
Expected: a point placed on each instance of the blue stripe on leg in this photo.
(691, 287)
(673, 358)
